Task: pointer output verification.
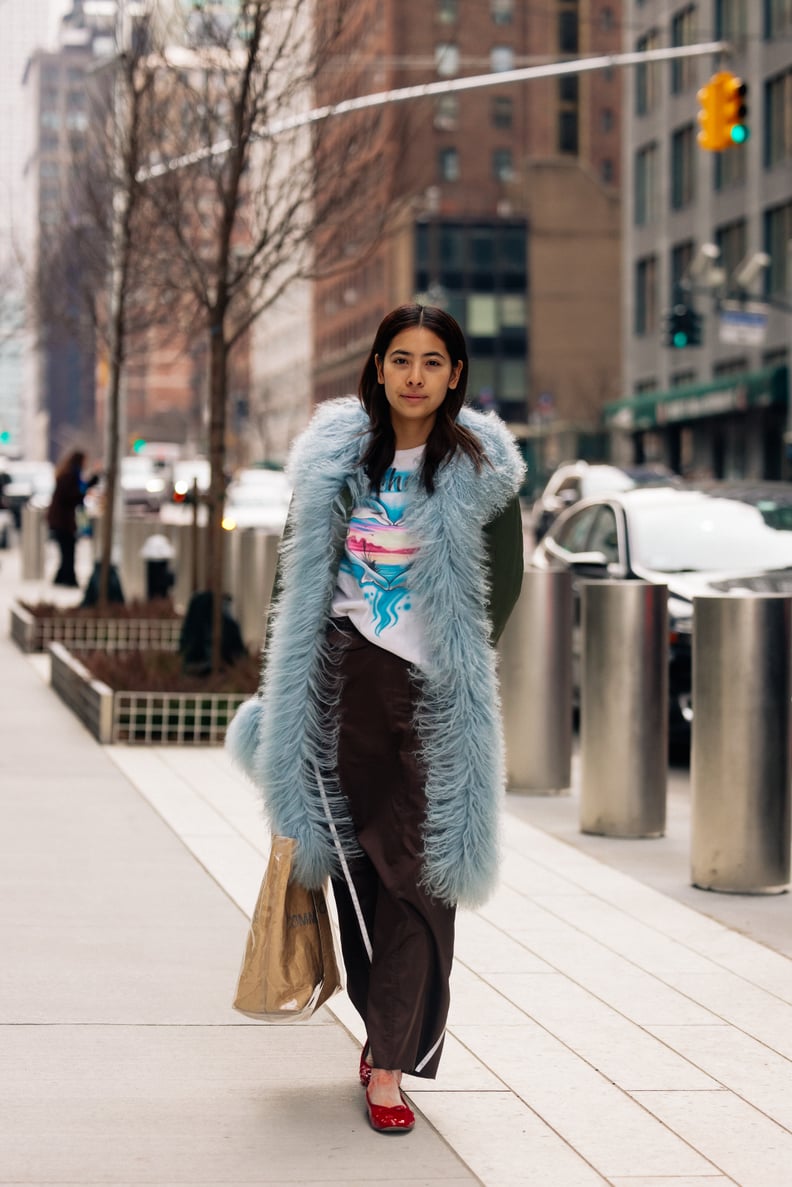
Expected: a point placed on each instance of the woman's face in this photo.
(416, 373)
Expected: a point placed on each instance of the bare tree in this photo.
(94, 262)
(239, 225)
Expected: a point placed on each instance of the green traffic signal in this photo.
(138, 444)
(739, 134)
(680, 339)
(5, 437)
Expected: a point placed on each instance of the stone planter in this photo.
(172, 718)
(33, 633)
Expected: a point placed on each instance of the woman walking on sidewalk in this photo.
(70, 488)
(400, 563)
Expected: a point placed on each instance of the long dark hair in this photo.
(72, 463)
(447, 435)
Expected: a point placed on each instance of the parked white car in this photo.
(257, 499)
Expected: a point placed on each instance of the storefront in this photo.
(731, 427)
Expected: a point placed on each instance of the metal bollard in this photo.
(536, 684)
(253, 580)
(740, 757)
(624, 708)
(33, 542)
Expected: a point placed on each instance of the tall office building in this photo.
(26, 27)
(504, 205)
(696, 225)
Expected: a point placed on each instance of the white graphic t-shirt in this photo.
(373, 587)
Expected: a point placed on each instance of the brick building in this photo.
(503, 204)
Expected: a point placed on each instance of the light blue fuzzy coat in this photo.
(283, 738)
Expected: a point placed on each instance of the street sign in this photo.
(742, 323)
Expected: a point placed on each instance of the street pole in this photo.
(445, 87)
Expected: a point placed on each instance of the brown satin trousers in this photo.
(403, 994)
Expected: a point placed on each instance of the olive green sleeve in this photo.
(503, 538)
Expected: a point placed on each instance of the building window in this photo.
(607, 20)
(646, 188)
(778, 18)
(681, 259)
(683, 32)
(482, 316)
(730, 168)
(447, 11)
(568, 114)
(502, 11)
(607, 119)
(502, 165)
(683, 172)
(501, 58)
(448, 164)
(568, 27)
(568, 132)
(446, 112)
(778, 119)
(482, 268)
(731, 20)
(447, 58)
(502, 112)
(607, 171)
(731, 238)
(647, 75)
(777, 234)
(645, 296)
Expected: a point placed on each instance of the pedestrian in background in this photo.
(68, 495)
(400, 563)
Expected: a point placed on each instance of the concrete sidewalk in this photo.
(601, 1031)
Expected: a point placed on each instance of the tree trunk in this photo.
(217, 430)
(120, 253)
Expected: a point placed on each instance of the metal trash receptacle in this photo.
(624, 708)
(535, 654)
(740, 753)
(158, 552)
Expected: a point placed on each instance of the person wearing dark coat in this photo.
(70, 488)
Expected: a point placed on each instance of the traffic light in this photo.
(712, 133)
(683, 327)
(723, 113)
(735, 109)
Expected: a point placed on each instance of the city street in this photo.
(609, 1023)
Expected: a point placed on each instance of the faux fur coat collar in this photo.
(284, 739)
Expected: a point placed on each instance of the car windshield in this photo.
(706, 535)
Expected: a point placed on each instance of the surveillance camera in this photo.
(751, 267)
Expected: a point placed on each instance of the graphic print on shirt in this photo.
(378, 552)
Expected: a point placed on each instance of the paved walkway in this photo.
(601, 1031)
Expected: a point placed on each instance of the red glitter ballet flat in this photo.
(390, 1118)
(365, 1066)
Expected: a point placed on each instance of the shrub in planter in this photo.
(152, 624)
(161, 671)
(145, 697)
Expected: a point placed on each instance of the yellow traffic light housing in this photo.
(723, 112)
(712, 134)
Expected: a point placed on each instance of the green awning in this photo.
(730, 393)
